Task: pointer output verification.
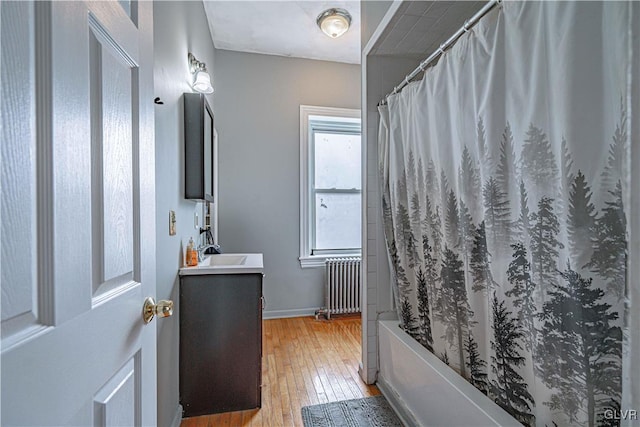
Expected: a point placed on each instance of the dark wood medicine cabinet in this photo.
(199, 161)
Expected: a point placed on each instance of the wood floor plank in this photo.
(225, 420)
(315, 355)
(235, 418)
(324, 358)
(282, 360)
(300, 373)
(189, 422)
(304, 362)
(252, 417)
(343, 371)
(289, 363)
(275, 418)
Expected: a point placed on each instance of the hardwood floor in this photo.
(304, 362)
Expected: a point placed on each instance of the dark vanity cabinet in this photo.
(220, 343)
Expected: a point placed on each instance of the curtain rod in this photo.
(448, 43)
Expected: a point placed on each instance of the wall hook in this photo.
(158, 101)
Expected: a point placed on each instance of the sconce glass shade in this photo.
(334, 22)
(201, 79)
(202, 82)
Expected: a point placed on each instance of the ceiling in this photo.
(286, 28)
(419, 27)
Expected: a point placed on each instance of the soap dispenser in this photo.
(192, 254)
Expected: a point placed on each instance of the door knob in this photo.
(164, 308)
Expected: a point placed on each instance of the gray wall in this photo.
(258, 99)
(180, 27)
(371, 13)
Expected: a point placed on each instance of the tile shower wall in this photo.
(382, 73)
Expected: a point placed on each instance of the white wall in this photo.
(258, 99)
(180, 27)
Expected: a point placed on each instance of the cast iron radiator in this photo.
(343, 286)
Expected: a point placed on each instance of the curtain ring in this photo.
(466, 26)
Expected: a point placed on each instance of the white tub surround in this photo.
(424, 391)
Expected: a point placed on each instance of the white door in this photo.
(78, 228)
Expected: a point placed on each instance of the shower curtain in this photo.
(505, 187)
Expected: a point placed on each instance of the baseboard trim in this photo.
(281, 314)
(400, 409)
(177, 418)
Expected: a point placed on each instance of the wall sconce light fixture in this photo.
(201, 78)
(334, 22)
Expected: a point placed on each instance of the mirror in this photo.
(198, 147)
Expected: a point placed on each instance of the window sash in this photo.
(314, 192)
(327, 127)
(336, 190)
(336, 128)
(326, 120)
(332, 252)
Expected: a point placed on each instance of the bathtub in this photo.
(424, 391)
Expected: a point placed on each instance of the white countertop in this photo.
(227, 264)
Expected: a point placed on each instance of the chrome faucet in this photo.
(208, 243)
(203, 248)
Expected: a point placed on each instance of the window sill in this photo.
(319, 260)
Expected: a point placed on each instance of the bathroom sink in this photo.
(227, 264)
(226, 259)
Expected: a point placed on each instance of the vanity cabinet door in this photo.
(220, 343)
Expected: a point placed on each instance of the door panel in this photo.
(117, 188)
(78, 164)
(113, 81)
(19, 309)
(114, 405)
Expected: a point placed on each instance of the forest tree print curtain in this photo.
(505, 189)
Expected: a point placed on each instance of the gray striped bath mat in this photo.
(370, 411)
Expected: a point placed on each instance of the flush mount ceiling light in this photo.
(334, 22)
(201, 78)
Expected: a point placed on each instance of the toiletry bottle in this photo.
(192, 254)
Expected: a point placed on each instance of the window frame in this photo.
(308, 191)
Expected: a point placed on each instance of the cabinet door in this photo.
(220, 343)
(199, 148)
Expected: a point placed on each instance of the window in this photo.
(330, 184)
